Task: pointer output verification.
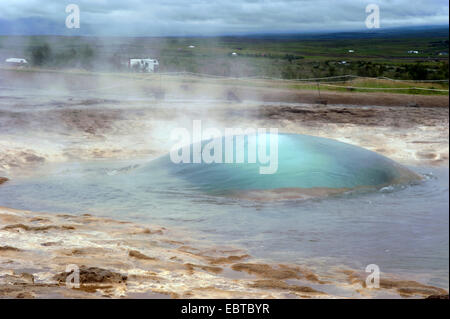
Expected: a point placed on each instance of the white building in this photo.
(413, 52)
(351, 51)
(16, 62)
(143, 65)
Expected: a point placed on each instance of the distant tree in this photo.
(289, 57)
(87, 57)
(442, 72)
(331, 70)
(40, 54)
(417, 71)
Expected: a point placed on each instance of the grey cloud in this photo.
(181, 17)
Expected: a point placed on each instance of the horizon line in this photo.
(240, 34)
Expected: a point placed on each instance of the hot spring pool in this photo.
(300, 163)
(385, 215)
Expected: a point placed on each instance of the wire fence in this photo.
(325, 81)
(329, 81)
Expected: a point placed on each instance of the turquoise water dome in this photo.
(306, 165)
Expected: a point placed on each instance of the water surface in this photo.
(401, 228)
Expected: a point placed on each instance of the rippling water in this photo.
(403, 229)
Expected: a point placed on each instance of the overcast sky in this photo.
(213, 17)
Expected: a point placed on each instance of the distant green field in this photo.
(356, 84)
(276, 57)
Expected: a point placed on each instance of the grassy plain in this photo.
(286, 57)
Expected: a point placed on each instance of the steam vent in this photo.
(306, 166)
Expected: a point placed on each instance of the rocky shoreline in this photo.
(118, 259)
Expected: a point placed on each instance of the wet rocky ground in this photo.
(122, 259)
(37, 130)
(117, 259)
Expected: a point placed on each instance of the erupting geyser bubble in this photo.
(308, 166)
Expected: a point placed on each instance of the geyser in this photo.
(307, 166)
